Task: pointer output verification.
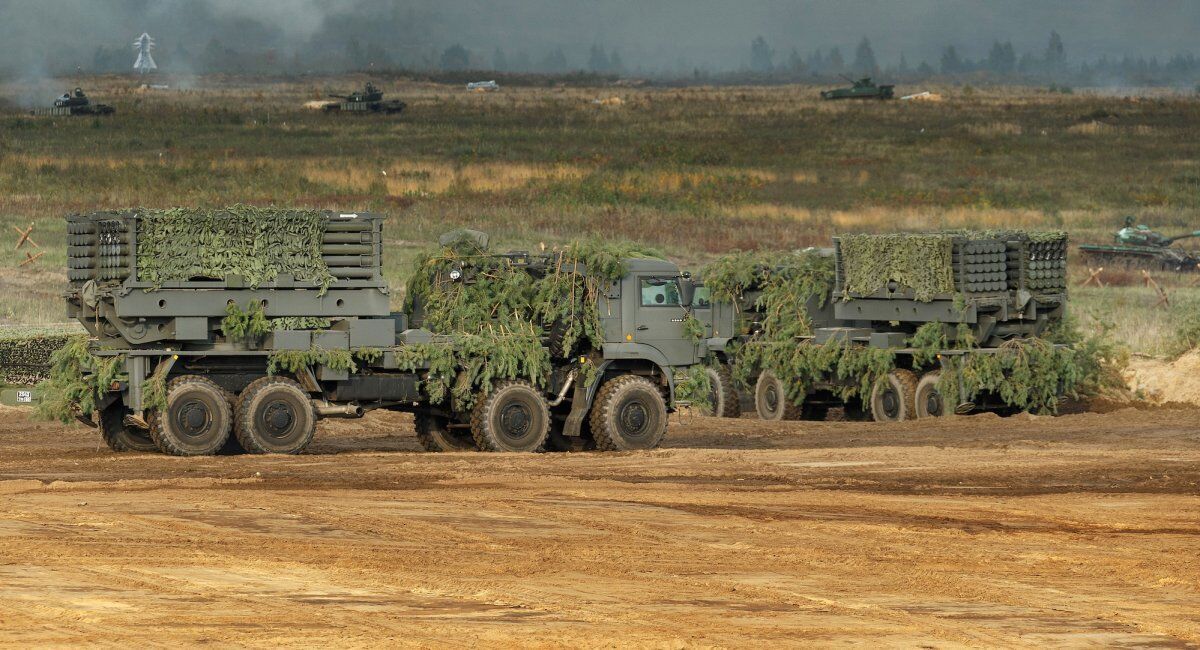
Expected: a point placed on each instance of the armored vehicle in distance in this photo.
(1137, 246)
(367, 100)
(863, 88)
(76, 103)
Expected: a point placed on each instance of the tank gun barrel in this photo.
(1172, 240)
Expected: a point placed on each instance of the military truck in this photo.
(367, 100)
(1001, 288)
(76, 103)
(863, 88)
(1137, 246)
(641, 316)
(329, 345)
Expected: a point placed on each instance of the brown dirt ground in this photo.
(979, 531)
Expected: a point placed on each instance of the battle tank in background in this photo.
(863, 88)
(1139, 247)
(368, 100)
(75, 102)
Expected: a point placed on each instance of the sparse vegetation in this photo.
(695, 171)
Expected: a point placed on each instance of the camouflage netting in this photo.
(921, 262)
(78, 379)
(25, 355)
(1028, 373)
(256, 243)
(527, 316)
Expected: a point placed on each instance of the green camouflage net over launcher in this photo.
(258, 244)
(921, 262)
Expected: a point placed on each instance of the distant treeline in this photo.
(1001, 65)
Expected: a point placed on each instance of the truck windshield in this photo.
(660, 292)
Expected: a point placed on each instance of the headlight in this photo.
(455, 274)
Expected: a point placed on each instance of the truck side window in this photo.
(702, 299)
(659, 292)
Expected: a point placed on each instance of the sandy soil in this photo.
(980, 531)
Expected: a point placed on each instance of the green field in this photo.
(695, 171)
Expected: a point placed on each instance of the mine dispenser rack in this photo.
(1005, 284)
(118, 306)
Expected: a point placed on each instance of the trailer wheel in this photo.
(197, 420)
(723, 399)
(275, 416)
(121, 437)
(629, 413)
(434, 434)
(894, 396)
(771, 399)
(929, 400)
(513, 417)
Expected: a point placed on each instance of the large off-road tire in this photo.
(928, 399)
(513, 417)
(893, 398)
(121, 437)
(196, 421)
(723, 400)
(434, 434)
(629, 413)
(771, 399)
(274, 416)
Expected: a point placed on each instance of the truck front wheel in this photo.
(275, 416)
(629, 413)
(513, 417)
(434, 434)
(196, 421)
(894, 396)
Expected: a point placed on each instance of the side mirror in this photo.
(687, 291)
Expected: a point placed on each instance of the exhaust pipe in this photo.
(327, 410)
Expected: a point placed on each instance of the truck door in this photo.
(659, 321)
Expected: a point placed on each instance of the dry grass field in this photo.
(696, 171)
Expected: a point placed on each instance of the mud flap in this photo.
(579, 411)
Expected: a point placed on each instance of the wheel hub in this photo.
(633, 417)
(772, 399)
(516, 420)
(891, 403)
(193, 418)
(933, 403)
(277, 419)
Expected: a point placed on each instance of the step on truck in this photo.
(1000, 290)
(189, 384)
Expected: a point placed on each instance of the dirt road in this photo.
(977, 531)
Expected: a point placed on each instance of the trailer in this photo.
(998, 291)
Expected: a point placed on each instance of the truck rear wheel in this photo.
(929, 400)
(120, 436)
(894, 396)
(771, 399)
(196, 421)
(723, 398)
(434, 434)
(513, 417)
(275, 416)
(629, 413)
